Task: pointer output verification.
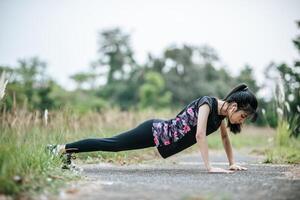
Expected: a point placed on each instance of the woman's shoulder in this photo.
(211, 101)
(205, 99)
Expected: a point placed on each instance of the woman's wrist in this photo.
(208, 167)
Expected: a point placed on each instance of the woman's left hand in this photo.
(236, 167)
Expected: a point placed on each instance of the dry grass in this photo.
(24, 164)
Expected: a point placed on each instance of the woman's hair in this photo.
(245, 100)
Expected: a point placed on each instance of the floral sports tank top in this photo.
(166, 132)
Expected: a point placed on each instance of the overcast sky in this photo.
(64, 32)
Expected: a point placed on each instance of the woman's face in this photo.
(236, 117)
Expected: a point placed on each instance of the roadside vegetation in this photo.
(286, 108)
(25, 165)
(285, 147)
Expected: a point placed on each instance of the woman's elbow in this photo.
(200, 136)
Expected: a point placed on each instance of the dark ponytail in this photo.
(245, 100)
(238, 88)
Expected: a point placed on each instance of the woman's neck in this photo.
(222, 107)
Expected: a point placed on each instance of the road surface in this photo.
(183, 177)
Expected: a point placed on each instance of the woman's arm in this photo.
(228, 149)
(203, 113)
(226, 144)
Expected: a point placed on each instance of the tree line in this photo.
(171, 80)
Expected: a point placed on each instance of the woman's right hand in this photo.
(218, 170)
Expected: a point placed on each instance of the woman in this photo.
(200, 118)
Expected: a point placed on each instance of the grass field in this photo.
(26, 168)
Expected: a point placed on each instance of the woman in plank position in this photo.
(197, 120)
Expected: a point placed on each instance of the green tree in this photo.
(189, 72)
(246, 76)
(82, 77)
(29, 84)
(115, 53)
(152, 93)
(156, 64)
(116, 58)
(180, 58)
(291, 79)
(290, 76)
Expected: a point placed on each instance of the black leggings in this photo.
(137, 138)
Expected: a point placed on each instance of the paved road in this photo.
(184, 177)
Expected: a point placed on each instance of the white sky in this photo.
(64, 33)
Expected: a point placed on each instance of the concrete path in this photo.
(184, 177)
